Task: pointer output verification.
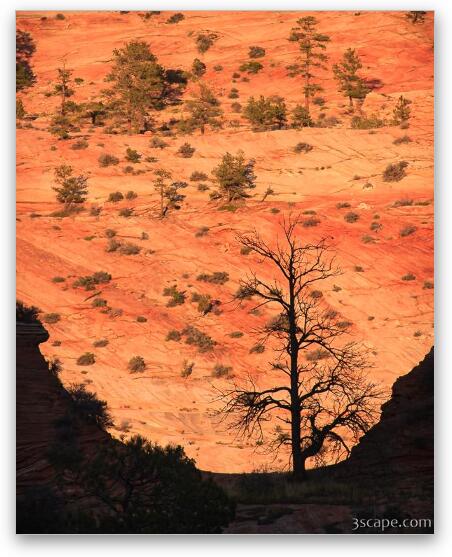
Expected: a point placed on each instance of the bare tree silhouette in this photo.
(324, 394)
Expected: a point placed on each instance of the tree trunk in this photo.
(350, 102)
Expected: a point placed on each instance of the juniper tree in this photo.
(70, 189)
(323, 399)
(235, 176)
(140, 84)
(346, 73)
(312, 45)
(204, 109)
(265, 113)
(25, 48)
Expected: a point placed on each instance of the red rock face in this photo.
(393, 317)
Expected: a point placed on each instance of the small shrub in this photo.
(129, 249)
(407, 230)
(428, 285)
(236, 334)
(236, 107)
(195, 337)
(175, 18)
(403, 139)
(234, 93)
(245, 250)
(131, 195)
(101, 277)
(86, 359)
(256, 52)
(343, 205)
(417, 333)
(100, 343)
(351, 217)
(95, 211)
(203, 231)
(408, 277)
(218, 277)
(157, 143)
(362, 123)
(198, 176)
(136, 364)
(204, 302)
(318, 101)
(302, 148)
(313, 221)
(274, 210)
(177, 298)
(112, 246)
(359, 269)
(51, 318)
(202, 187)
(89, 238)
(144, 236)
(186, 151)
(375, 226)
(218, 68)
(58, 279)
(395, 172)
(251, 67)
(110, 233)
(257, 349)
(173, 335)
(221, 371)
(403, 203)
(60, 17)
(141, 319)
(115, 196)
(107, 160)
(198, 68)
(126, 212)
(301, 117)
(99, 303)
(187, 368)
(132, 155)
(366, 239)
(80, 144)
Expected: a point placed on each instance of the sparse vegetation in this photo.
(186, 151)
(195, 337)
(173, 335)
(51, 318)
(251, 67)
(126, 212)
(136, 364)
(86, 359)
(256, 52)
(302, 148)
(351, 217)
(175, 18)
(395, 172)
(401, 140)
(107, 160)
(176, 297)
(101, 343)
(116, 196)
(218, 277)
(221, 371)
(132, 155)
(187, 368)
(408, 277)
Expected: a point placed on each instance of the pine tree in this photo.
(25, 48)
(168, 192)
(402, 110)
(63, 87)
(70, 189)
(235, 176)
(311, 45)
(346, 73)
(204, 109)
(140, 84)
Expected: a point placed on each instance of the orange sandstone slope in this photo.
(394, 317)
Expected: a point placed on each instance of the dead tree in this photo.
(324, 394)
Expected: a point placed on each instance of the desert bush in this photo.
(408, 277)
(204, 302)
(115, 196)
(58, 279)
(107, 160)
(402, 139)
(428, 285)
(95, 211)
(363, 123)
(144, 236)
(112, 246)
(318, 101)
(257, 348)
(351, 217)
(101, 277)
(301, 117)
(367, 239)
(204, 41)
(403, 203)
(407, 230)
(198, 176)
(175, 18)
(218, 68)
(187, 368)
(251, 67)
(236, 334)
(126, 212)
(173, 335)
(343, 205)
(101, 343)
(129, 249)
(402, 111)
(395, 172)
(236, 107)
(302, 148)
(195, 337)
(256, 52)
(136, 364)
(359, 269)
(202, 187)
(80, 144)
(89, 238)
(60, 17)
(375, 226)
(99, 303)
(266, 113)
(313, 221)
(86, 359)
(132, 155)
(274, 211)
(110, 233)
(203, 231)
(177, 297)
(131, 195)
(221, 371)
(186, 151)
(51, 318)
(198, 68)
(90, 281)
(157, 143)
(218, 277)
(233, 93)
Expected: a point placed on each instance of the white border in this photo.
(184, 546)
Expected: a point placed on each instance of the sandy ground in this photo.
(393, 317)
